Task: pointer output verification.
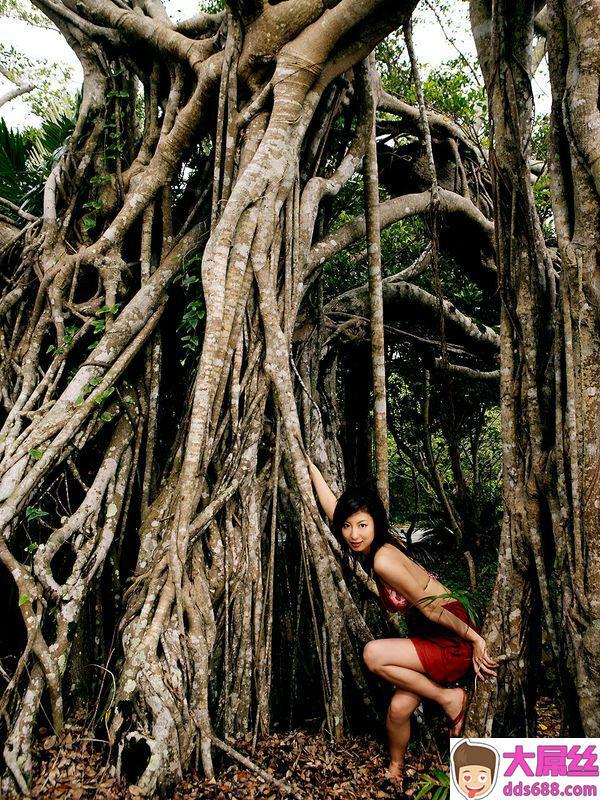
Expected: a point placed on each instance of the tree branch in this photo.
(397, 209)
(355, 301)
(21, 86)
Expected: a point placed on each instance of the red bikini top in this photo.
(392, 599)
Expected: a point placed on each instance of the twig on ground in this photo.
(286, 787)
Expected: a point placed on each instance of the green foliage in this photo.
(437, 784)
(462, 596)
(104, 395)
(194, 311)
(16, 9)
(450, 89)
(99, 325)
(70, 332)
(96, 204)
(47, 77)
(100, 179)
(543, 204)
(32, 513)
(15, 148)
(27, 158)
(109, 310)
(539, 137)
(101, 398)
(401, 243)
(541, 188)
(117, 103)
(86, 389)
(470, 411)
(467, 412)
(88, 223)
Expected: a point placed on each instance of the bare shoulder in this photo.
(387, 556)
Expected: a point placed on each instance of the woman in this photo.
(445, 640)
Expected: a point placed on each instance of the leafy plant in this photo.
(438, 784)
(104, 395)
(99, 325)
(27, 158)
(32, 513)
(46, 78)
(70, 332)
(194, 310)
(454, 594)
(85, 390)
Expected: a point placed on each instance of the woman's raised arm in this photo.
(327, 499)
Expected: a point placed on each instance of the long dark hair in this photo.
(360, 499)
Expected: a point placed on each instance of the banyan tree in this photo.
(169, 358)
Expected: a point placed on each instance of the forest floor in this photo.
(78, 766)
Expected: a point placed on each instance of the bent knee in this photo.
(372, 655)
(401, 707)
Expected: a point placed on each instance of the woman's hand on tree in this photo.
(482, 661)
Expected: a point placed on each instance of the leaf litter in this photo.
(77, 765)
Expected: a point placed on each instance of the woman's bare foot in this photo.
(395, 771)
(453, 706)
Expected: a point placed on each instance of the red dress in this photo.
(445, 655)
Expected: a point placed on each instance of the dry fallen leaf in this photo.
(352, 769)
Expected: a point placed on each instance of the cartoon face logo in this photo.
(474, 769)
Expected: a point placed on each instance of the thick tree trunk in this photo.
(549, 374)
(517, 609)
(574, 57)
(197, 618)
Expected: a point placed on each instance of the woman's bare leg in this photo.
(402, 705)
(396, 661)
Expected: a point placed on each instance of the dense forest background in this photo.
(264, 230)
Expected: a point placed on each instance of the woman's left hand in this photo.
(482, 661)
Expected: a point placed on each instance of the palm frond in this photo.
(15, 149)
(27, 157)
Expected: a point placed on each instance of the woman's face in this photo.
(359, 531)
